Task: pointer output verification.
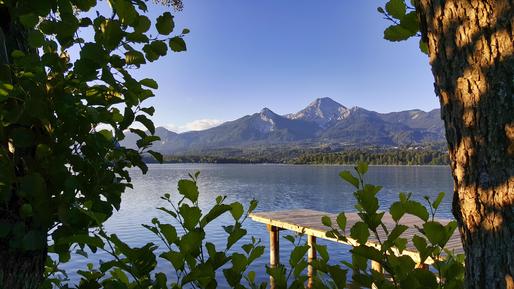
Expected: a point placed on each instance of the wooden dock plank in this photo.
(308, 222)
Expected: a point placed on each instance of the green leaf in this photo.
(290, 238)
(147, 141)
(372, 219)
(434, 231)
(416, 209)
(169, 232)
(253, 205)
(235, 235)
(367, 252)
(176, 259)
(143, 24)
(171, 213)
(36, 38)
(155, 50)
(190, 215)
(29, 20)
(438, 200)
(17, 54)
(165, 23)
(191, 242)
(251, 276)
(148, 82)
(323, 252)
(362, 168)
(325, 220)
(422, 247)
(216, 211)
(297, 254)
(341, 221)
(426, 278)
(92, 241)
(85, 22)
(367, 198)
(396, 8)
(396, 232)
(401, 244)
(107, 134)
(185, 31)
(449, 229)
(146, 122)
(112, 34)
(423, 46)
(85, 5)
(397, 33)
(410, 22)
(125, 11)
(397, 211)
(137, 38)
(338, 275)
(156, 155)
(177, 44)
(360, 232)
(349, 178)
(159, 47)
(237, 210)
(188, 189)
(149, 110)
(134, 57)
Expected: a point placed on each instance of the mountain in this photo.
(324, 122)
(430, 121)
(322, 111)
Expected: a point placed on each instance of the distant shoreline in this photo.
(290, 164)
(372, 156)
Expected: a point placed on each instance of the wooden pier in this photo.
(308, 222)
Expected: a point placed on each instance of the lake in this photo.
(275, 186)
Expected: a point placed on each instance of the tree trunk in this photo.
(471, 47)
(21, 269)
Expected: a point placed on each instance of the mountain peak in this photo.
(325, 101)
(266, 111)
(321, 111)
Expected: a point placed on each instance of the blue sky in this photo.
(245, 55)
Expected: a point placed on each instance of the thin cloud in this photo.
(196, 125)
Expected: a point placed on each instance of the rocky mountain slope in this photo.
(324, 122)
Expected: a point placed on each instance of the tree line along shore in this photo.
(371, 156)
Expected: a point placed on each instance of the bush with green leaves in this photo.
(400, 270)
(194, 262)
(63, 116)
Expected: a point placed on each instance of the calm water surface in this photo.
(276, 187)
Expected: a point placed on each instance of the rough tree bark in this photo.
(471, 47)
(19, 268)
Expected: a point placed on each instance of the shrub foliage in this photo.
(195, 262)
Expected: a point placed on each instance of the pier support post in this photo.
(377, 267)
(274, 253)
(311, 272)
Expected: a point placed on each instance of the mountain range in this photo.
(324, 122)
